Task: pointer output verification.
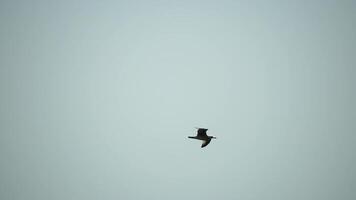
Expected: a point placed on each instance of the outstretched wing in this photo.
(205, 143)
(202, 132)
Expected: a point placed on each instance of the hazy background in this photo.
(98, 98)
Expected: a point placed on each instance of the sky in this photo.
(98, 99)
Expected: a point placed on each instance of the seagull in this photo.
(201, 135)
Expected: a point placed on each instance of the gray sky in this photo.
(98, 98)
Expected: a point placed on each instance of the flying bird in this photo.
(201, 135)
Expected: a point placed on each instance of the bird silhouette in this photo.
(201, 135)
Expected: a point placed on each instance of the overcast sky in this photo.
(98, 98)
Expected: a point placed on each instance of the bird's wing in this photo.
(205, 143)
(202, 132)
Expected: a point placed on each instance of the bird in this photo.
(201, 135)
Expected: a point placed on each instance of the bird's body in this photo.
(201, 135)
